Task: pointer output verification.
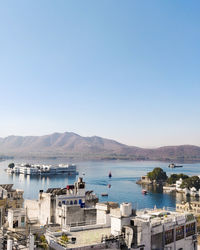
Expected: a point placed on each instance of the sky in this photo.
(124, 70)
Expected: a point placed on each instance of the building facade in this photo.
(193, 207)
(63, 206)
(14, 197)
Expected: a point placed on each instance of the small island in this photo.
(180, 183)
(156, 177)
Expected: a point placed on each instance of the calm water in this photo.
(123, 183)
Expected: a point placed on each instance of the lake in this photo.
(123, 181)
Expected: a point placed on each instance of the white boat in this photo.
(172, 165)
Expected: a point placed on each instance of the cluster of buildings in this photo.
(36, 169)
(193, 192)
(73, 218)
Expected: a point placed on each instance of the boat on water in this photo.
(110, 174)
(172, 165)
(37, 169)
(144, 191)
(104, 194)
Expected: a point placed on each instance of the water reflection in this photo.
(182, 197)
(153, 188)
(28, 178)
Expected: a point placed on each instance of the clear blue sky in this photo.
(126, 70)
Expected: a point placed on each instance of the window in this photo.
(71, 202)
(15, 223)
(59, 204)
(52, 219)
(80, 201)
(180, 233)
(169, 236)
(190, 229)
(63, 202)
(22, 219)
(75, 202)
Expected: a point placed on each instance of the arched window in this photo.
(63, 202)
(80, 201)
(75, 202)
(67, 202)
(59, 203)
(71, 202)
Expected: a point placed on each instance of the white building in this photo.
(151, 229)
(121, 228)
(14, 197)
(103, 213)
(37, 169)
(120, 217)
(164, 230)
(178, 184)
(64, 206)
(16, 218)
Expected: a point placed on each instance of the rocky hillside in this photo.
(75, 146)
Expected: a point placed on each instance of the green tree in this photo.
(175, 177)
(157, 174)
(43, 242)
(64, 238)
(190, 182)
(11, 165)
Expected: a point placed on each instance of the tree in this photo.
(157, 175)
(64, 238)
(175, 177)
(43, 242)
(190, 182)
(11, 165)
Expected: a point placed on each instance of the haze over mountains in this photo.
(74, 146)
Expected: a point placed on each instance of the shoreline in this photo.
(95, 159)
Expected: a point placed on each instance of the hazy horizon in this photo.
(127, 71)
(150, 147)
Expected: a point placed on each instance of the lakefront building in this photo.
(120, 227)
(64, 206)
(192, 207)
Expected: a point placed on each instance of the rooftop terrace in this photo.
(88, 237)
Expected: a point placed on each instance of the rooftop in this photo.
(163, 216)
(7, 187)
(88, 237)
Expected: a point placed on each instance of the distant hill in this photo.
(74, 146)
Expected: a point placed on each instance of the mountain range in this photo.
(74, 146)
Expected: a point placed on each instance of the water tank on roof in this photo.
(80, 179)
(126, 209)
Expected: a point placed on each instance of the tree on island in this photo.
(157, 175)
(190, 182)
(11, 165)
(175, 177)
